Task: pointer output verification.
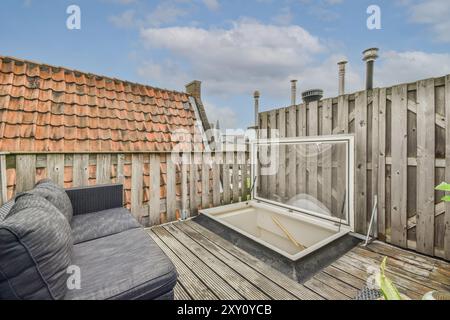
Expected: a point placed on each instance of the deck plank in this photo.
(264, 284)
(193, 286)
(219, 286)
(210, 267)
(288, 284)
(234, 279)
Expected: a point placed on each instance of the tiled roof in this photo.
(46, 108)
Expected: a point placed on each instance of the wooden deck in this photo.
(212, 268)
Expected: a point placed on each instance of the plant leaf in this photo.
(446, 199)
(388, 289)
(443, 187)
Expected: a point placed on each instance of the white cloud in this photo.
(284, 17)
(127, 19)
(227, 117)
(401, 67)
(433, 13)
(165, 12)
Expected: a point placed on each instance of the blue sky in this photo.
(234, 47)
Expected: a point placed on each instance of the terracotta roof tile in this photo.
(47, 108)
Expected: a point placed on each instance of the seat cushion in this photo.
(86, 227)
(124, 266)
(35, 250)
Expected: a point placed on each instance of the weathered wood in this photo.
(425, 166)
(341, 156)
(216, 179)
(375, 145)
(193, 285)
(170, 189)
(361, 162)
(226, 178)
(381, 190)
(25, 172)
(292, 154)
(80, 170)
(184, 186)
(264, 284)
(273, 151)
(326, 155)
(239, 283)
(120, 169)
(337, 284)
(263, 183)
(103, 170)
(137, 185)
(326, 291)
(288, 284)
(399, 166)
(155, 173)
(235, 179)
(447, 169)
(55, 168)
(193, 178)
(312, 149)
(281, 176)
(205, 180)
(245, 175)
(221, 288)
(302, 129)
(3, 180)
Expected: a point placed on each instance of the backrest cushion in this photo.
(35, 250)
(56, 195)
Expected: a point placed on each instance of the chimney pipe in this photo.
(370, 55)
(342, 65)
(256, 95)
(293, 92)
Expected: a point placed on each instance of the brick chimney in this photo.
(194, 89)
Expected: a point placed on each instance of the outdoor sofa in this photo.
(77, 244)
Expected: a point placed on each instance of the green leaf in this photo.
(443, 187)
(446, 199)
(388, 289)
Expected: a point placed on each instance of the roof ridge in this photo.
(92, 74)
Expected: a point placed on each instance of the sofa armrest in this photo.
(95, 198)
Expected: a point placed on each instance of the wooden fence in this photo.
(402, 141)
(157, 188)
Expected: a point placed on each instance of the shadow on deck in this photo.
(211, 268)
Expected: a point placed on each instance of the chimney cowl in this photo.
(312, 95)
(256, 95)
(370, 54)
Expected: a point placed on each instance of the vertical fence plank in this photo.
(137, 185)
(55, 168)
(361, 162)
(281, 175)
(184, 186)
(326, 155)
(381, 190)
(120, 175)
(399, 166)
(292, 154)
(263, 154)
(171, 196)
(312, 153)
(235, 180)
(244, 174)
(25, 172)
(341, 156)
(80, 170)
(155, 173)
(272, 178)
(103, 170)
(205, 180)
(447, 167)
(193, 180)
(375, 138)
(425, 166)
(216, 179)
(226, 178)
(301, 159)
(3, 180)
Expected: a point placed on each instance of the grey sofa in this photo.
(77, 244)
